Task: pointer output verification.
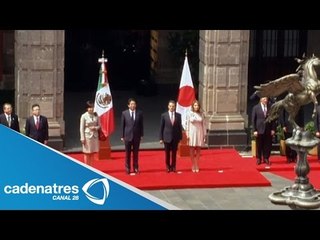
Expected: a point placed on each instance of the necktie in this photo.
(172, 120)
(132, 116)
(9, 121)
(37, 123)
(265, 110)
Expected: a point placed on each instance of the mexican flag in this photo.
(103, 105)
(186, 92)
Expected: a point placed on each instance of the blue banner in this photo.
(36, 177)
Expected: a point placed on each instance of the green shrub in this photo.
(310, 126)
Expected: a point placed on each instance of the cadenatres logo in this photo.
(90, 184)
(64, 192)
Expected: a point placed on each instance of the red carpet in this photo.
(286, 170)
(218, 168)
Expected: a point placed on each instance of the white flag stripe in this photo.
(183, 111)
(101, 109)
(186, 79)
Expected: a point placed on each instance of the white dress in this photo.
(195, 129)
(91, 136)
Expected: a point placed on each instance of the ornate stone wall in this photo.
(223, 79)
(7, 61)
(39, 78)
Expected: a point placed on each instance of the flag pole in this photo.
(183, 147)
(186, 90)
(104, 146)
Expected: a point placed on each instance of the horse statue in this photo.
(302, 88)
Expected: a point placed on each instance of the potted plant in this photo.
(281, 138)
(309, 126)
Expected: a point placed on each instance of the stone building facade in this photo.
(32, 63)
(37, 59)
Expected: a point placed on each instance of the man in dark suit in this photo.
(8, 118)
(132, 134)
(170, 134)
(291, 154)
(37, 126)
(262, 130)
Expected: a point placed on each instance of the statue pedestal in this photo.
(183, 147)
(105, 150)
(301, 195)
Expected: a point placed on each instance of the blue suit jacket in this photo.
(169, 132)
(131, 129)
(258, 120)
(40, 134)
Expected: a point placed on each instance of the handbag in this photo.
(102, 137)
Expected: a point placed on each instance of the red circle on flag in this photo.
(186, 96)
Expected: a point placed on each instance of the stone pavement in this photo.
(238, 198)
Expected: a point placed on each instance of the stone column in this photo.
(223, 83)
(39, 78)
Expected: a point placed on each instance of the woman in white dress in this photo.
(196, 133)
(89, 137)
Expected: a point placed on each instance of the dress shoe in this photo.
(258, 161)
(168, 170)
(136, 170)
(173, 169)
(267, 161)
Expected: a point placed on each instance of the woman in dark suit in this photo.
(132, 134)
(37, 126)
(170, 134)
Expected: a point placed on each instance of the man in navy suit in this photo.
(37, 126)
(262, 130)
(8, 118)
(132, 134)
(170, 134)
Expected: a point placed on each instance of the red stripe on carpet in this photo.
(218, 168)
(279, 163)
(280, 167)
(314, 176)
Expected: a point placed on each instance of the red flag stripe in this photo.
(186, 96)
(107, 122)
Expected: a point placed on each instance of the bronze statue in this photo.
(302, 87)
